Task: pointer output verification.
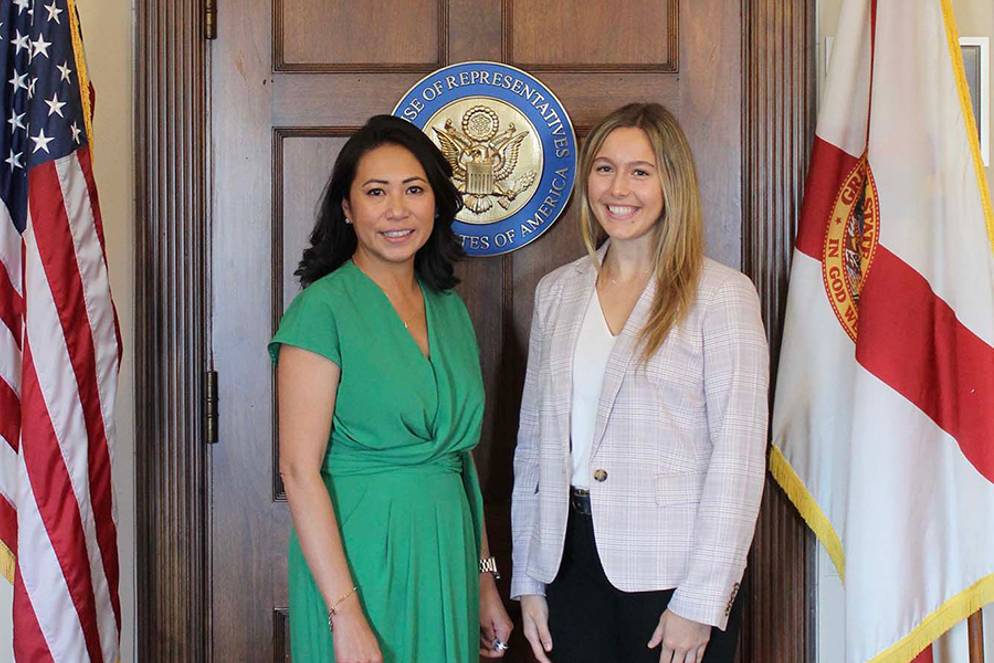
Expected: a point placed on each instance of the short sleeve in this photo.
(309, 323)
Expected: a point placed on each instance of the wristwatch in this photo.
(489, 565)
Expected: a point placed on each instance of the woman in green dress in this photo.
(380, 405)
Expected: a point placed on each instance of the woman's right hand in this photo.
(535, 625)
(354, 640)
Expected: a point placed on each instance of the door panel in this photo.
(300, 167)
(584, 43)
(314, 36)
(291, 80)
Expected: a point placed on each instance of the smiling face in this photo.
(391, 205)
(623, 186)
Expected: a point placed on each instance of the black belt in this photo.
(579, 500)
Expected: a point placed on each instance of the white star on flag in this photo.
(76, 131)
(31, 87)
(41, 141)
(21, 5)
(18, 81)
(21, 41)
(53, 12)
(54, 105)
(15, 121)
(65, 71)
(40, 46)
(14, 160)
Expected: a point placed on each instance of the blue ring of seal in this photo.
(449, 84)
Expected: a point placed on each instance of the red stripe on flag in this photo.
(10, 423)
(925, 656)
(56, 501)
(11, 306)
(29, 642)
(8, 524)
(50, 224)
(829, 168)
(911, 339)
(83, 154)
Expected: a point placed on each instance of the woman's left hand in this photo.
(494, 622)
(684, 641)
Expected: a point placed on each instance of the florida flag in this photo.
(883, 425)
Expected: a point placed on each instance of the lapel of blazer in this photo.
(573, 304)
(621, 357)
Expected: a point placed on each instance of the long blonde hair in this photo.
(679, 237)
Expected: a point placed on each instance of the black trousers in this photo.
(593, 622)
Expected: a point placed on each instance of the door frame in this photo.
(172, 283)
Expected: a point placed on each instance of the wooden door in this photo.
(291, 80)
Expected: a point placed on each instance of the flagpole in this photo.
(975, 634)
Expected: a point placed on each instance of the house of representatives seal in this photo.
(511, 146)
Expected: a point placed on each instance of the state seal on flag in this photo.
(850, 243)
(511, 146)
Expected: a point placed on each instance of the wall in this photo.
(975, 18)
(108, 32)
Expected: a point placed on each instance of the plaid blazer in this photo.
(678, 454)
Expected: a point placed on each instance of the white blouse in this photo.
(593, 347)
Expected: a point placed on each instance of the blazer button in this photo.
(600, 475)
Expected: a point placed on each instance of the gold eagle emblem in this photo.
(484, 159)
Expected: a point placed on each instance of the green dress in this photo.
(398, 469)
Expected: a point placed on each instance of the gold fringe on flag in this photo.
(808, 507)
(84, 78)
(6, 563)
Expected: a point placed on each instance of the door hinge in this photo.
(210, 19)
(210, 407)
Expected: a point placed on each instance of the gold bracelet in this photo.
(333, 610)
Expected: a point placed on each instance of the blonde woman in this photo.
(640, 458)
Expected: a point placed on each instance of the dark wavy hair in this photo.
(333, 241)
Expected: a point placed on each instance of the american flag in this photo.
(59, 348)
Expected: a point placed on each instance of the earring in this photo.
(348, 221)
